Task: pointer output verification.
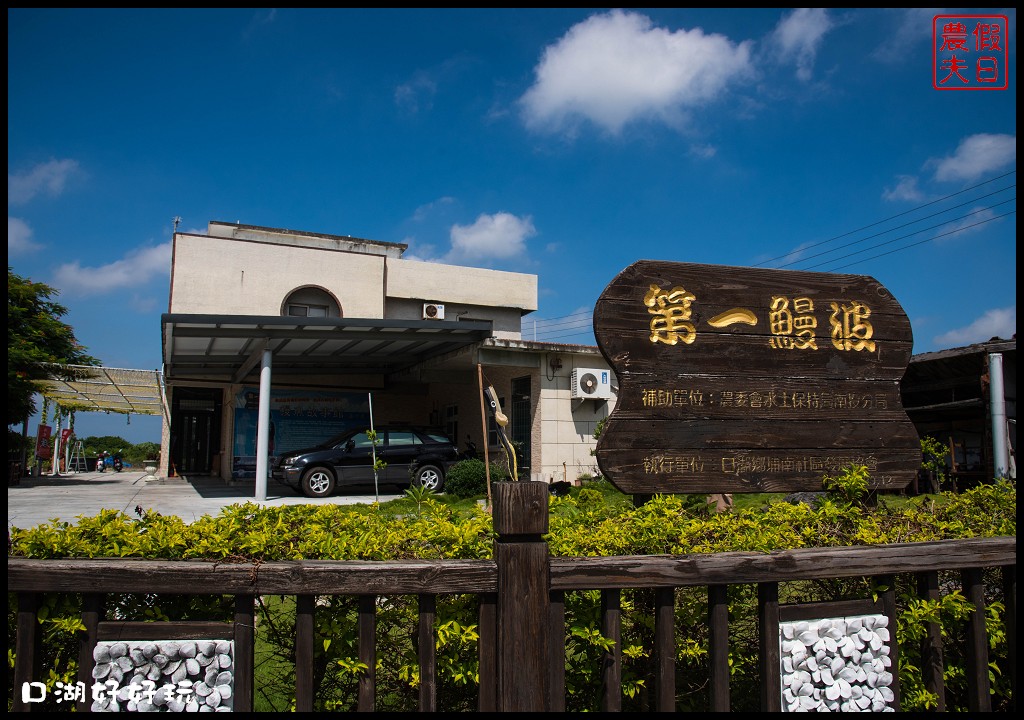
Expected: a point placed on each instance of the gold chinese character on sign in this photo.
(793, 329)
(850, 328)
(671, 311)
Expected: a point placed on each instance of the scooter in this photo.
(118, 462)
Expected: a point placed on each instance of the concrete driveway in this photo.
(34, 501)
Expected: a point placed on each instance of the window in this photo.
(402, 438)
(196, 404)
(359, 440)
(295, 310)
(312, 302)
(520, 419)
(451, 422)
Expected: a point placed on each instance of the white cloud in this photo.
(48, 177)
(616, 67)
(906, 189)
(795, 255)
(423, 212)
(703, 151)
(913, 27)
(421, 252)
(498, 236)
(138, 266)
(999, 322)
(970, 222)
(798, 36)
(977, 155)
(418, 92)
(19, 237)
(260, 19)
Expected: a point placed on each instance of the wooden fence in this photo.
(521, 608)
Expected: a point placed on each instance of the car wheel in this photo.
(317, 482)
(430, 478)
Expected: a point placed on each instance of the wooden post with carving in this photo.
(524, 583)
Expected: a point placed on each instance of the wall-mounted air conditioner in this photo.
(591, 383)
(433, 311)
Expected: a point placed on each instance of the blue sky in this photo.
(567, 143)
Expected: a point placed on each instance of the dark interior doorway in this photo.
(195, 430)
(521, 421)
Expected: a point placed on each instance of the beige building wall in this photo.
(562, 428)
(469, 293)
(218, 276)
(463, 285)
(300, 238)
(567, 424)
(249, 271)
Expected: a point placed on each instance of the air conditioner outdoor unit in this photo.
(591, 383)
(433, 311)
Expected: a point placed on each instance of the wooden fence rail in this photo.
(521, 613)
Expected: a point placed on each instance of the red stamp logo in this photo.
(969, 52)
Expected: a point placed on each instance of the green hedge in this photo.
(468, 478)
(583, 523)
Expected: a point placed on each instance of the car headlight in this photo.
(286, 461)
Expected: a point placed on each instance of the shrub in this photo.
(589, 521)
(468, 478)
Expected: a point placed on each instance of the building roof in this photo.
(995, 345)
(228, 348)
(131, 392)
(952, 383)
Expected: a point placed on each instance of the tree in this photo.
(38, 344)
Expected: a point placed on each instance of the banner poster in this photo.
(43, 448)
(298, 419)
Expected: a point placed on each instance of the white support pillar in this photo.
(997, 403)
(57, 445)
(263, 428)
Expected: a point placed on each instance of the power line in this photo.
(912, 222)
(564, 338)
(570, 323)
(564, 317)
(903, 237)
(891, 217)
(920, 242)
(552, 330)
(567, 331)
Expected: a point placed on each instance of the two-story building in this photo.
(279, 339)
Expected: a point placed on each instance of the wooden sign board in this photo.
(740, 380)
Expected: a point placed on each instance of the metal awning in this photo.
(135, 392)
(229, 348)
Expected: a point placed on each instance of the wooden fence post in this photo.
(28, 649)
(523, 601)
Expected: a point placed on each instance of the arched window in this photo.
(311, 302)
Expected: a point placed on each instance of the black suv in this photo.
(411, 455)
